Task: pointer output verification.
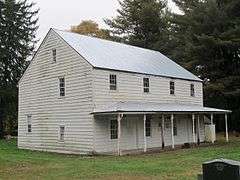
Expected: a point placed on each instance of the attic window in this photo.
(146, 85)
(113, 82)
(54, 55)
(172, 87)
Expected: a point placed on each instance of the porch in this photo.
(144, 127)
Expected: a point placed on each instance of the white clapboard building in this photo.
(86, 95)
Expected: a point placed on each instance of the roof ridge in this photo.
(106, 40)
(106, 54)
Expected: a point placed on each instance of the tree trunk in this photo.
(1, 125)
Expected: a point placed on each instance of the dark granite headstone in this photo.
(221, 169)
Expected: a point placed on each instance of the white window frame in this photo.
(62, 89)
(62, 133)
(192, 90)
(54, 55)
(29, 123)
(113, 82)
(146, 84)
(172, 88)
(167, 121)
(113, 129)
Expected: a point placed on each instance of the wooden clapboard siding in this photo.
(39, 96)
(86, 88)
(130, 88)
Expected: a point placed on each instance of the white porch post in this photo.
(193, 128)
(173, 143)
(212, 124)
(226, 126)
(144, 133)
(211, 119)
(162, 131)
(198, 122)
(119, 134)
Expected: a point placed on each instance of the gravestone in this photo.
(221, 169)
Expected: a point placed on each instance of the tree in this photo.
(91, 28)
(17, 39)
(141, 22)
(207, 42)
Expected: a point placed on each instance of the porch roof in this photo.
(151, 108)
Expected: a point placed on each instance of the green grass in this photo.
(179, 164)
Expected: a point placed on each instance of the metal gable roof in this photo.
(117, 56)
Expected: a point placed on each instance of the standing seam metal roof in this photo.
(117, 56)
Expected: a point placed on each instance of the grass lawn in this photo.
(179, 164)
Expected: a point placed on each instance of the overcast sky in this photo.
(62, 14)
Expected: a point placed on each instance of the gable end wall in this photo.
(39, 97)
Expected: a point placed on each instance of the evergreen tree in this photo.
(207, 42)
(17, 39)
(140, 22)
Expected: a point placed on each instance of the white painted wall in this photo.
(39, 96)
(130, 88)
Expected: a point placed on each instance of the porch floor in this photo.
(158, 149)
